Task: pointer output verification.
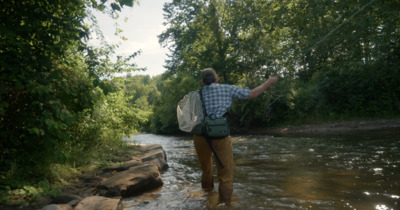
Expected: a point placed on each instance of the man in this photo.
(217, 99)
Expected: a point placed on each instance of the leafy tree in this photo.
(51, 82)
(141, 86)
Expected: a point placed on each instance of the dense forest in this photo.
(61, 107)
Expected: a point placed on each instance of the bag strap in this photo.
(202, 102)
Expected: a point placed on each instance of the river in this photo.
(348, 171)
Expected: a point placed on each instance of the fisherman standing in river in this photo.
(217, 98)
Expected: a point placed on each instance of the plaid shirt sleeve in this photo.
(218, 98)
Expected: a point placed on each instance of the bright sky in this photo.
(142, 28)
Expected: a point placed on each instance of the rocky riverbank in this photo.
(105, 189)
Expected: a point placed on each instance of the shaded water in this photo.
(358, 171)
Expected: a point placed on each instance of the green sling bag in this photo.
(216, 128)
(212, 128)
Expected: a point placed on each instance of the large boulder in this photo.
(155, 154)
(131, 182)
(98, 203)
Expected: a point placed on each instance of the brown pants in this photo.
(225, 175)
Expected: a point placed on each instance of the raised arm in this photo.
(263, 87)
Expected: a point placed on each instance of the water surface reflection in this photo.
(286, 172)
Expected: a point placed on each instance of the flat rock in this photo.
(155, 154)
(98, 203)
(131, 182)
(57, 207)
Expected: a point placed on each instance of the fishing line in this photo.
(346, 20)
(337, 27)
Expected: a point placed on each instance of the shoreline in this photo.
(330, 128)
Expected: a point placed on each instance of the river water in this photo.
(349, 171)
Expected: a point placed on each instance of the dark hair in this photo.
(208, 76)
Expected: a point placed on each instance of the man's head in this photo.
(209, 76)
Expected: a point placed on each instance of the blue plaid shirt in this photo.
(218, 98)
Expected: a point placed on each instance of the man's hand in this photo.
(265, 86)
(271, 81)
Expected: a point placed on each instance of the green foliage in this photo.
(23, 193)
(101, 129)
(366, 91)
(141, 93)
(36, 115)
(142, 87)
